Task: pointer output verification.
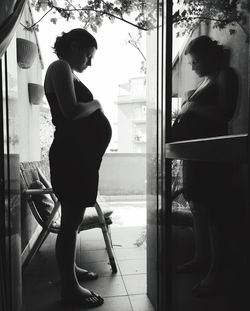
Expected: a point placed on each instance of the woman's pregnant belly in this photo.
(99, 132)
(90, 135)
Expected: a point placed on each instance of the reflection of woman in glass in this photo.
(81, 137)
(206, 113)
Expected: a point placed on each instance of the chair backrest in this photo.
(30, 175)
(41, 205)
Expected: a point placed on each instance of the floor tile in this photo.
(127, 236)
(134, 266)
(135, 284)
(141, 303)
(120, 303)
(129, 214)
(92, 234)
(41, 279)
(130, 253)
(91, 245)
(102, 268)
(41, 269)
(46, 306)
(47, 274)
(115, 304)
(107, 286)
(94, 256)
(40, 294)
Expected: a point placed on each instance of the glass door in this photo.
(207, 204)
(156, 168)
(3, 276)
(10, 260)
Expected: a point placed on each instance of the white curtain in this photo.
(9, 23)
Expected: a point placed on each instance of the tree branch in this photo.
(208, 18)
(101, 12)
(58, 9)
(228, 21)
(34, 24)
(135, 45)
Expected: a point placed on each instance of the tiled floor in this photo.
(124, 291)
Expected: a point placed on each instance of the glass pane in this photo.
(210, 79)
(210, 72)
(152, 160)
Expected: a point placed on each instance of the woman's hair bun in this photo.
(81, 36)
(60, 45)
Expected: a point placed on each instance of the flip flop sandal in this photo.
(203, 291)
(88, 276)
(190, 267)
(92, 301)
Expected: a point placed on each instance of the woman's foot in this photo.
(81, 297)
(85, 275)
(193, 266)
(210, 286)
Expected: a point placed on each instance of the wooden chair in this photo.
(45, 207)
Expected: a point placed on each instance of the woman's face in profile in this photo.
(198, 64)
(81, 58)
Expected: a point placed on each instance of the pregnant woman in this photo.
(207, 188)
(82, 134)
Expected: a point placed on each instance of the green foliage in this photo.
(223, 13)
(46, 134)
(142, 13)
(92, 12)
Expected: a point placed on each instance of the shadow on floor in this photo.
(235, 297)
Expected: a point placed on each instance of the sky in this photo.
(115, 61)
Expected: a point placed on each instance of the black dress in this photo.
(76, 152)
(203, 181)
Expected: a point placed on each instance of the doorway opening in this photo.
(120, 85)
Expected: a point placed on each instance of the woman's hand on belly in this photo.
(98, 105)
(188, 106)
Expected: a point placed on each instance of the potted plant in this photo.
(36, 93)
(26, 53)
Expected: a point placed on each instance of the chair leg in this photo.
(110, 236)
(41, 238)
(106, 237)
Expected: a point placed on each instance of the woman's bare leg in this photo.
(201, 258)
(218, 244)
(213, 282)
(66, 252)
(201, 233)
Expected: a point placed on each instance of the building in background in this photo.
(131, 118)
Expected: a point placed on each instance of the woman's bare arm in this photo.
(227, 100)
(61, 80)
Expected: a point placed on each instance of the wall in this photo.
(30, 116)
(11, 180)
(239, 60)
(29, 122)
(123, 174)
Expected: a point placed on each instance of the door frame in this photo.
(3, 277)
